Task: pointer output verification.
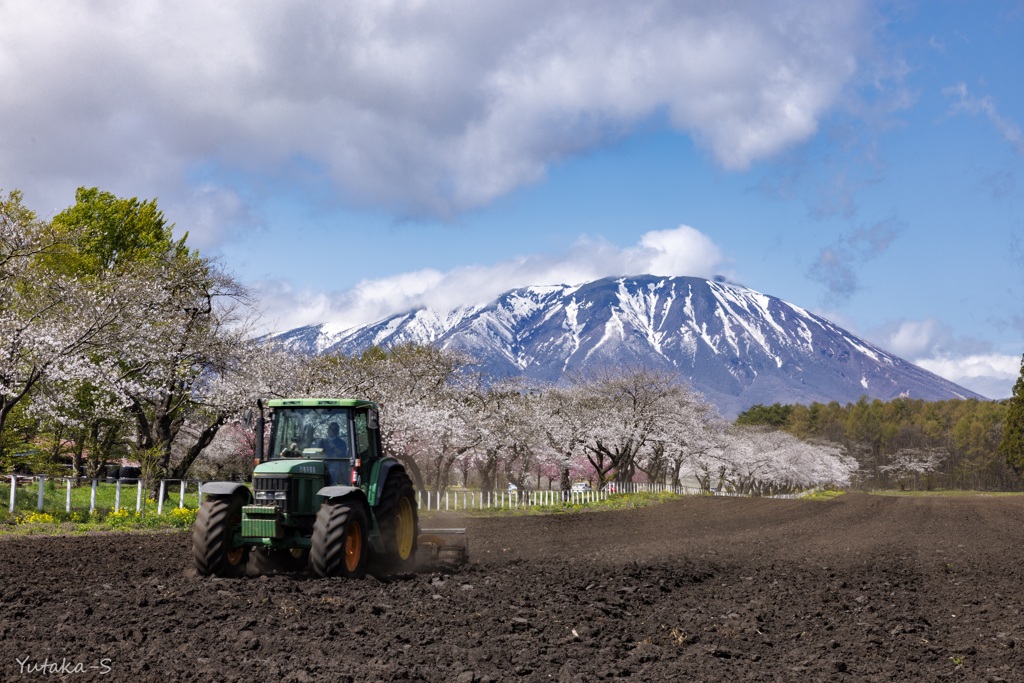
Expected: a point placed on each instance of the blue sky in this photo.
(347, 161)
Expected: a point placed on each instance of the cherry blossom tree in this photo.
(567, 419)
(762, 461)
(190, 365)
(689, 430)
(908, 465)
(629, 412)
(51, 323)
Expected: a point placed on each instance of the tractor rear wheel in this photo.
(399, 522)
(215, 525)
(340, 540)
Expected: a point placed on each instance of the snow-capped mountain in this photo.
(736, 346)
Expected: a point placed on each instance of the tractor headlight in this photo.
(280, 495)
(271, 495)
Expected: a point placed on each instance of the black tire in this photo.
(271, 561)
(399, 523)
(340, 539)
(216, 522)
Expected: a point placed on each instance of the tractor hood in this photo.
(291, 467)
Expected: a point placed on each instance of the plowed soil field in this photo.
(859, 588)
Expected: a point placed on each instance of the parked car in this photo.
(581, 487)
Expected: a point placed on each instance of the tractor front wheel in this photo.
(216, 523)
(340, 538)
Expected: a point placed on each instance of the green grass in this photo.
(23, 523)
(827, 494)
(55, 517)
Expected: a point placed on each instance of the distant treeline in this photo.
(906, 443)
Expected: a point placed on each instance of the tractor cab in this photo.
(339, 437)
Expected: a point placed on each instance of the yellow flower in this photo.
(39, 518)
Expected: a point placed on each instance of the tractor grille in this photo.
(276, 491)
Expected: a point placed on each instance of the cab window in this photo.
(362, 437)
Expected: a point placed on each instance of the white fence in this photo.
(123, 489)
(450, 500)
(453, 500)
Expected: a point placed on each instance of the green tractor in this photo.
(325, 495)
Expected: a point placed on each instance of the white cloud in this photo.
(991, 375)
(675, 252)
(679, 251)
(970, 363)
(428, 108)
(986, 106)
(912, 338)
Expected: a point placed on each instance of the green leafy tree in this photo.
(775, 415)
(1012, 445)
(113, 234)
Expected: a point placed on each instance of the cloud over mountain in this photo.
(678, 251)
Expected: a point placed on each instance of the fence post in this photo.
(199, 489)
(42, 482)
(92, 497)
(181, 497)
(160, 500)
(117, 495)
(67, 500)
(14, 490)
(138, 498)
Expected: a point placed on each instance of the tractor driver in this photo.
(334, 445)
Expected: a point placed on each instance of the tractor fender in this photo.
(225, 489)
(380, 475)
(340, 491)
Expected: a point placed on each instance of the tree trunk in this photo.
(205, 439)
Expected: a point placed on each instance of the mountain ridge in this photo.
(737, 346)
